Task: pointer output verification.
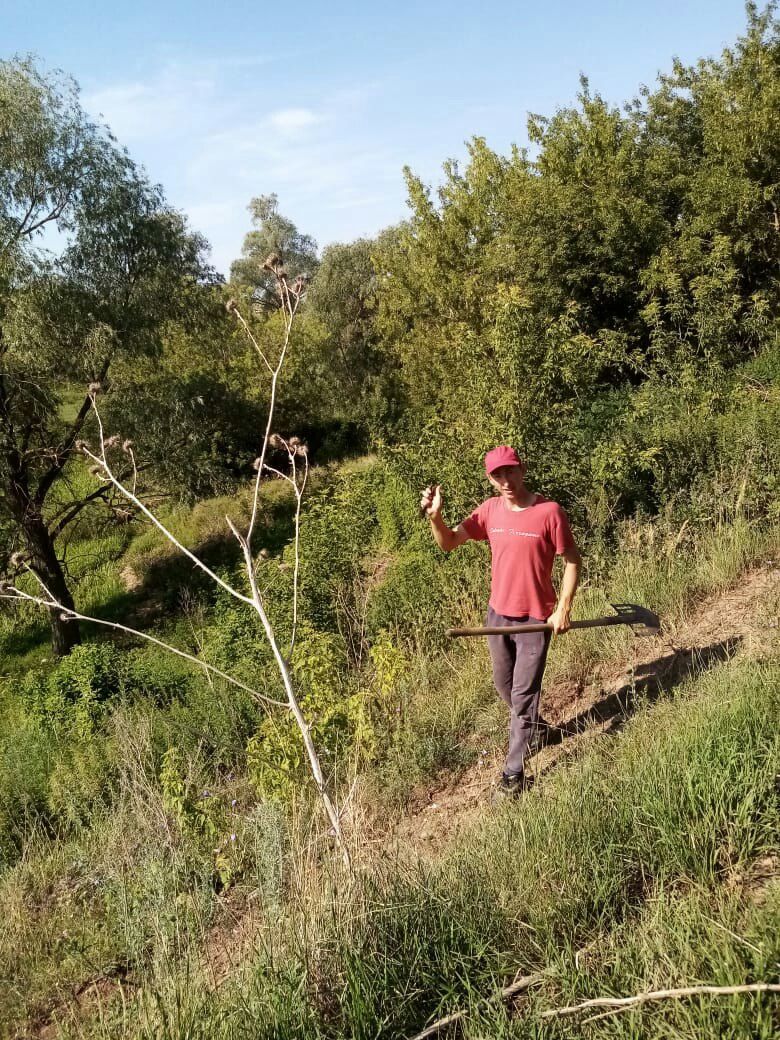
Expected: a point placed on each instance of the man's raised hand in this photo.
(430, 502)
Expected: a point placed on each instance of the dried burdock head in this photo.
(96, 471)
(127, 446)
(272, 262)
(281, 272)
(66, 617)
(17, 559)
(284, 567)
(294, 442)
(231, 306)
(264, 554)
(302, 449)
(256, 464)
(4, 586)
(276, 441)
(95, 388)
(112, 441)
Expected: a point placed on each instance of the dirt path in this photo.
(729, 623)
(723, 625)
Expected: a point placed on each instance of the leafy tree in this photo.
(125, 267)
(194, 408)
(531, 298)
(274, 236)
(713, 134)
(357, 378)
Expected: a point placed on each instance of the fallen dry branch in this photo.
(624, 1003)
(518, 986)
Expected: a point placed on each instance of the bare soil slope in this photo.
(742, 619)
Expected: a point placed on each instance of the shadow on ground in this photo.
(647, 682)
(163, 582)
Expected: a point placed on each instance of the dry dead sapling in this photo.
(290, 296)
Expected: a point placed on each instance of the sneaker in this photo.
(511, 785)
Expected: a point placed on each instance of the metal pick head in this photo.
(642, 621)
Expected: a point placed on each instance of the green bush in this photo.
(76, 692)
(80, 690)
(339, 718)
(156, 676)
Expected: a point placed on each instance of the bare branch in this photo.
(75, 509)
(62, 451)
(102, 461)
(70, 512)
(618, 1004)
(233, 309)
(238, 536)
(278, 473)
(518, 986)
(52, 603)
(296, 569)
(288, 310)
(295, 708)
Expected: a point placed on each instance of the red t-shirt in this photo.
(523, 545)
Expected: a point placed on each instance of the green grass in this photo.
(646, 853)
(683, 935)
(667, 817)
(685, 797)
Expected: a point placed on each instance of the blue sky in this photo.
(323, 104)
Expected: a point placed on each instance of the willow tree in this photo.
(93, 266)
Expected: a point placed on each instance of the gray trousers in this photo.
(518, 667)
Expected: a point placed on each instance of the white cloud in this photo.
(171, 104)
(291, 120)
(214, 142)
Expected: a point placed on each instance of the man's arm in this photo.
(560, 618)
(446, 538)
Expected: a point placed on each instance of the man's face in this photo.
(508, 480)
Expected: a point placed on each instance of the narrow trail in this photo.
(722, 625)
(741, 619)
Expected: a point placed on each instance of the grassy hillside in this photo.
(152, 833)
(609, 305)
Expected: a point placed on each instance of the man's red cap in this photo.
(501, 456)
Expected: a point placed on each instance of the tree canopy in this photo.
(273, 235)
(539, 297)
(94, 266)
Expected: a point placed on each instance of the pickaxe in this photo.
(643, 622)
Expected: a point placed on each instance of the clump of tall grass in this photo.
(685, 796)
(683, 935)
(637, 855)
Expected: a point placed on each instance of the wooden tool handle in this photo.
(542, 626)
(504, 630)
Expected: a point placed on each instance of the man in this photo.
(525, 532)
